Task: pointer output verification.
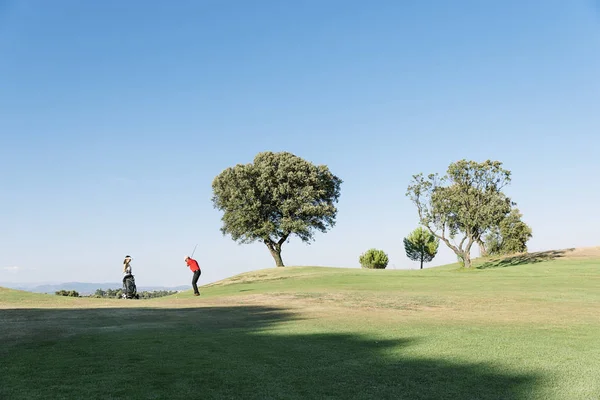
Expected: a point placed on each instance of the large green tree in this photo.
(276, 196)
(509, 237)
(421, 245)
(467, 201)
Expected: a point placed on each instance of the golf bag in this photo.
(129, 288)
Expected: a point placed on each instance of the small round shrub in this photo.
(374, 259)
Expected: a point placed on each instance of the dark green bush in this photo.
(70, 293)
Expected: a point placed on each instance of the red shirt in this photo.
(193, 264)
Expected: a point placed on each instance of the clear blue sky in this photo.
(116, 116)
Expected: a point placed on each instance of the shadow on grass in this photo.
(224, 353)
(527, 258)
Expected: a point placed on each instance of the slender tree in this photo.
(276, 196)
(467, 201)
(421, 245)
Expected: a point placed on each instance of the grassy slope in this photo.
(509, 329)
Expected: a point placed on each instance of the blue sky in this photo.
(116, 116)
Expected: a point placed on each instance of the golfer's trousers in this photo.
(195, 280)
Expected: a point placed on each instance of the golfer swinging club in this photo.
(195, 268)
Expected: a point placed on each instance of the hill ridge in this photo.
(479, 263)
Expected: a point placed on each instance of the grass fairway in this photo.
(521, 328)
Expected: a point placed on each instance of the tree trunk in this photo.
(464, 258)
(467, 259)
(482, 249)
(467, 253)
(277, 257)
(275, 249)
(422, 258)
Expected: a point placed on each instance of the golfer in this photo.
(126, 270)
(127, 265)
(195, 268)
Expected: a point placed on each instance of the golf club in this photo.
(194, 251)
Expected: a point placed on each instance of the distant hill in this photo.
(85, 288)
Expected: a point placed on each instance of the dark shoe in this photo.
(196, 294)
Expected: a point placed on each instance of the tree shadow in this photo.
(225, 353)
(526, 258)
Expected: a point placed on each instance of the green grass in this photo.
(519, 328)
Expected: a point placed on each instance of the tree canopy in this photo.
(467, 201)
(276, 196)
(421, 245)
(509, 237)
